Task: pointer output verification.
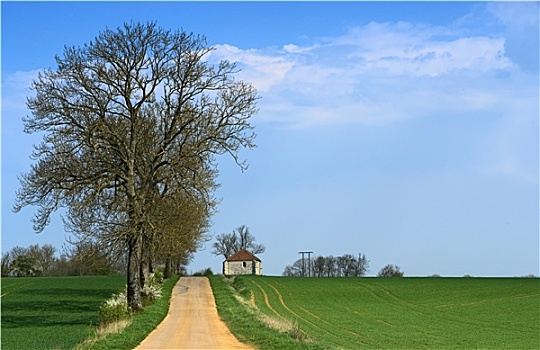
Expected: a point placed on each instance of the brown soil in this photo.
(193, 321)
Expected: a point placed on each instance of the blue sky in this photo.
(404, 131)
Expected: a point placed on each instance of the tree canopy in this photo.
(227, 244)
(390, 270)
(132, 122)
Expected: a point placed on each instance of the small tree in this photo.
(294, 270)
(24, 266)
(44, 257)
(330, 266)
(390, 271)
(362, 266)
(229, 243)
(318, 266)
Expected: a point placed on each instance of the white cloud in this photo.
(292, 48)
(262, 70)
(374, 74)
(438, 58)
(406, 49)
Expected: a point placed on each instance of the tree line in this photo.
(83, 259)
(43, 261)
(346, 265)
(132, 125)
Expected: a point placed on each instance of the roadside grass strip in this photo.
(247, 323)
(140, 325)
(411, 313)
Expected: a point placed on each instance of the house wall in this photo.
(242, 267)
(258, 268)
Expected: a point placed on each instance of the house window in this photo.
(244, 264)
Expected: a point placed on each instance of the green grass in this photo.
(404, 313)
(141, 324)
(421, 313)
(246, 325)
(61, 312)
(52, 313)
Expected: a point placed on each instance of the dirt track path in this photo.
(192, 321)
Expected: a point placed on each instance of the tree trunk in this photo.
(150, 266)
(133, 274)
(168, 270)
(143, 273)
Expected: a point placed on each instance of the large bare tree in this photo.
(132, 122)
(227, 244)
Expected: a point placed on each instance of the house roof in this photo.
(242, 255)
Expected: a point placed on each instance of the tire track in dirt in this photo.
(282, 301)
(331, 324)
(434, 312)
(280, 296)
(266, 300)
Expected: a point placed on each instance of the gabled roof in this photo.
(242, 255)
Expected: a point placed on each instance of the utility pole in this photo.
(303, 264)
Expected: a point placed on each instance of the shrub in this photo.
(390, 271)
(206, 272)
(114, 309)
(151, 292)
(158, 276)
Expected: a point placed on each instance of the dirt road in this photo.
(192, 322)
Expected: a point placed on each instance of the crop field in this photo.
(52, 313)
(404, 313)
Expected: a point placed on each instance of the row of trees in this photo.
(132, 123)
(346, 265)
(37, 261)
(83, 259)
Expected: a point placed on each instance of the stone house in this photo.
(242, 263)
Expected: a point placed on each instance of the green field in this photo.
(404, 313)
(52, 313)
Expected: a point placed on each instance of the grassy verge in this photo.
(249, 325)
(139, 326)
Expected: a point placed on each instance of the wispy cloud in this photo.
(375, 74)
(15, 89)
(262, 70)
(20, 79)
(515, 15)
